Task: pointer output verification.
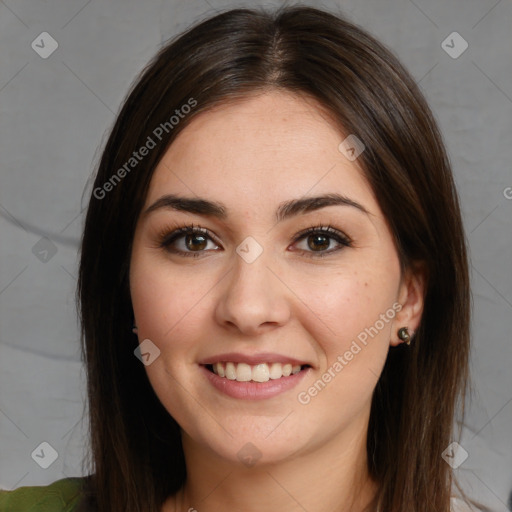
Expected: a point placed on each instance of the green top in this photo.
(60, 496)
(64, 496)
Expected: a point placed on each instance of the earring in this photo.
(403, 334)
(134, 329)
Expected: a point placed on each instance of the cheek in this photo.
(348, 304)
(352, 339)
(165, 301)
(166, 306)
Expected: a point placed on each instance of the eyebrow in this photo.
(218, 210)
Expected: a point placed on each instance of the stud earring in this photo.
(134, 329)
(403, 334)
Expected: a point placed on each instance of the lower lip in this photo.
(254, 390)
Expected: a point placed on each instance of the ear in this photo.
(411, 299)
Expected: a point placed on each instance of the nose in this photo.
(253, 299)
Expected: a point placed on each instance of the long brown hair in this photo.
(136, 453)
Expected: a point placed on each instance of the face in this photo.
(266, 283)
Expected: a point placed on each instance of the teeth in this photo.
(260, 373)
(230, 371)
(243, 372)
(276, 371)
(219, 370)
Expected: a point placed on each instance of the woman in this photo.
(273, 281)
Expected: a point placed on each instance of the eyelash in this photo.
(166, 238)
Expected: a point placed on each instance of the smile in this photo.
(261, 372)
(240, 380)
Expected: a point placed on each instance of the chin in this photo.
(248, 446)
(246, 453)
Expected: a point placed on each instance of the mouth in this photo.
(256, 376)
(260, 372)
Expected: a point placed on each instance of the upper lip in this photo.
(252, 359)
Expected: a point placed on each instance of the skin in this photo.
(252, 155)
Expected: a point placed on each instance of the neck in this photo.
(332, 477)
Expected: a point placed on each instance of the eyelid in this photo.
(331, 232)
(324, 229)
(170, 234)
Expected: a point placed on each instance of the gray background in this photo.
(55, 113)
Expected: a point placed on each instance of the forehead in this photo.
(259, 151)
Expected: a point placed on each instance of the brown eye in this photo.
(318, 242)
(187, 241)
(195, 242)
(319, 239)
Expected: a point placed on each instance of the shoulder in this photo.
(60, 496)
